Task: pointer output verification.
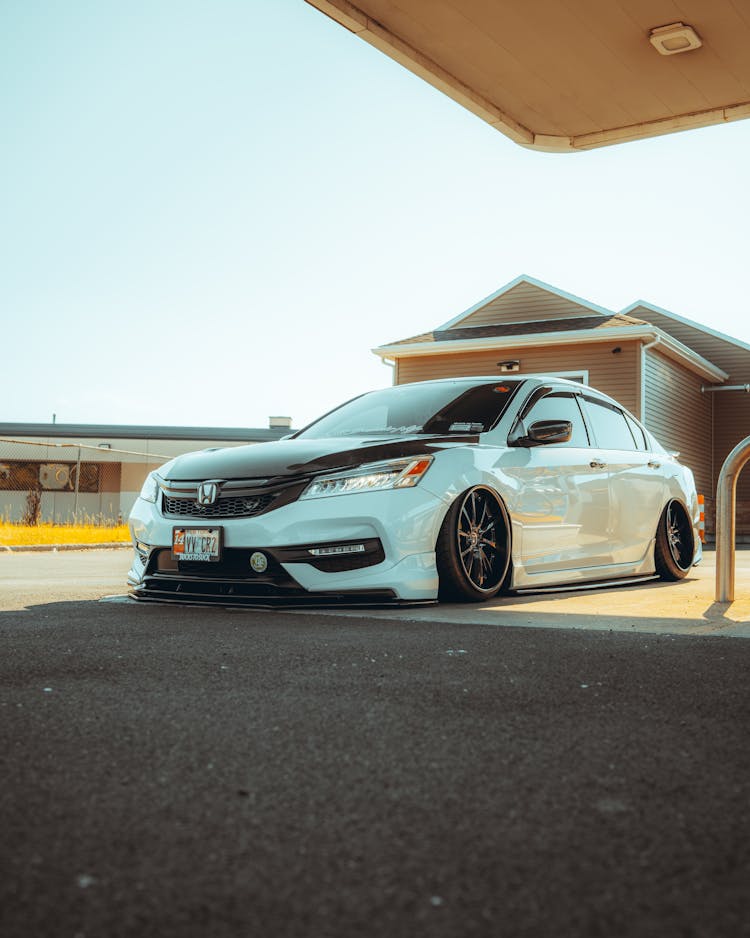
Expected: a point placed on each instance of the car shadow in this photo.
(683, 608)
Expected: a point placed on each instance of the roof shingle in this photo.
(543, 326)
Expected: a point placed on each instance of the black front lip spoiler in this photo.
(291, 599)
(228, 583)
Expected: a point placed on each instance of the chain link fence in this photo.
(70, 483)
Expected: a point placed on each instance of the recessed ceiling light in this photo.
(677, 37)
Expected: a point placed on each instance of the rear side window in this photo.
(560, 406)
(638, 434)
(611, 428)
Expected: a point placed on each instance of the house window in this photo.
(581, 377)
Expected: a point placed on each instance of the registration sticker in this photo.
(202, 544)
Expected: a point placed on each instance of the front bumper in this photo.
(399, 529)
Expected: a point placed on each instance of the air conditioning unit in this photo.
(55, 476)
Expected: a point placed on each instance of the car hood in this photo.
(300, 458)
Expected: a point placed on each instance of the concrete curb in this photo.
(24, 548)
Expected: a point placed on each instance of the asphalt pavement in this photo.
(173, 771)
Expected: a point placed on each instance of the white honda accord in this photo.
(455, 489)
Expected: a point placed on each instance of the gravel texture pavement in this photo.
(174, 771)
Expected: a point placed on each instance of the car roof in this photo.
(539, 378)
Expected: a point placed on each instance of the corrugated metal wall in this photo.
(615, 374)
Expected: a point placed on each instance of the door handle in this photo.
(597, 464)
(653, 464)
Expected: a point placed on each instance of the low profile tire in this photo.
(675, 542)
(473, 547)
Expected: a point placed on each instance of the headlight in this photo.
(150, 490)
(394, 474)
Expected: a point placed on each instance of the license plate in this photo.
(202, 544)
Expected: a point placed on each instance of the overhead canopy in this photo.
(563, 75)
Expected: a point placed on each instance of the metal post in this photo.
(78, 477)
(726, 498)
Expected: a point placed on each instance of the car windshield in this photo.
(456, 407)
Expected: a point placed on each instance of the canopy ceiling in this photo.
(563, 75)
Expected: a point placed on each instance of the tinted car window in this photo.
(455, 408)
(611, 429)
(475, 411)
(560, 406)
(639, 435)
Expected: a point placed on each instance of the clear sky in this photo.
(211, 212)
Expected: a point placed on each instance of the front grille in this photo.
(238, 498)
(229, 506)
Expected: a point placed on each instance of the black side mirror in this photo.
(549, 431)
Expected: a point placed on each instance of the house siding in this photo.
(525, 303)
(732, 425)
(732, 358)
(731, 409)
(614, 374)
(679, 416)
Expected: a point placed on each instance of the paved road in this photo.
(190, 772)
(34, 577)
(654, 607)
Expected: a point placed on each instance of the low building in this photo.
(95, 471)
(687, 383)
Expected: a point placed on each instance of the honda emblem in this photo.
(208, 492)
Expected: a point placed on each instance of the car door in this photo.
(560, 504)
(637, 488)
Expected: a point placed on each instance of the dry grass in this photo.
(21, 535)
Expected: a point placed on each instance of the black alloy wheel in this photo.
(675, 542)
(473, 547)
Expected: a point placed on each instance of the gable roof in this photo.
(672, 323)
(731, 355)
(510, 318)
(530, 299)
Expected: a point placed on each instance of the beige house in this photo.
(687, 383)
